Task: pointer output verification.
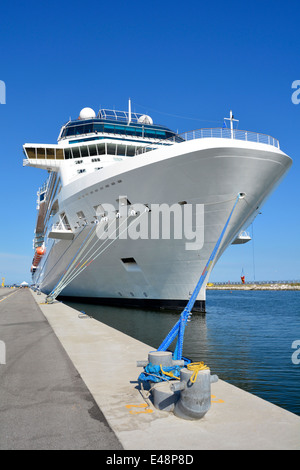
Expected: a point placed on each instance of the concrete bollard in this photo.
(163, 358)
(195, 398)
(163, 397)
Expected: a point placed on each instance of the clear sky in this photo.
(184, 63)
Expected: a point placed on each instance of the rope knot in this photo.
(196, 367)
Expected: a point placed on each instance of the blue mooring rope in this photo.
(179, 327)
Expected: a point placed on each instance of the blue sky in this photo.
(186, 64)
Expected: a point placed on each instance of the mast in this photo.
(129, 111)
(231, 119)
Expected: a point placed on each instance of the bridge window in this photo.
(84, 151)
(93, 150)
(76, 153)
(130, 151)
(31, 153)
(59, 154)
(111, 149)
(68, 154)
(50, 153)
(101, 149)
(40, 153)
(121, 150)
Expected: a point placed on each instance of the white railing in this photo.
(59, 226)
(225, 133)
(216, 133)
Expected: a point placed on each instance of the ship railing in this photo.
(244, 233)
(225, 133)
(219, 133)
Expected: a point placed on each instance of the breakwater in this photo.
(255, 286)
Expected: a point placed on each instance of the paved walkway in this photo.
(44, 403)
(62, 369)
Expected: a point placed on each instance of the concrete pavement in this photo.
(44, 403)
(105, 360)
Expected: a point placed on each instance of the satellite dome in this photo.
(144, 119)
(87, 113)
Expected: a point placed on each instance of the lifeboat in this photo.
(39, 253)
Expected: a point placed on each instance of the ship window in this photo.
(93, 150)
(82, 170)
(76, 153)
(101, 149)
(69, 131)
(96, 159)
(31, 153)
(40, 153)
(68, 154)
(139, 132)
(130, 264)
(59, 154)
(109, 128)
(87, 128)
(130, 131)
(98, 127)
(84, 151)
(161, 134)
(50, 153)
(80, 214)
(119, 129)
(121, 150)
(111, 149)
(150, 133)
(78, 162)
(78, 130)
(128, 260)
(130, 152)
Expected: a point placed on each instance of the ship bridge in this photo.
(115, 123)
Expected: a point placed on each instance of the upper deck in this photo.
(114, 123)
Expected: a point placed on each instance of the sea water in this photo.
(247, 338)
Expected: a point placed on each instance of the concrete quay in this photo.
(70, 382)
(44, 404)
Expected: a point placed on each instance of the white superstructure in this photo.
(104, 167)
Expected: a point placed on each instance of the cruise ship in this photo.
(131, 211)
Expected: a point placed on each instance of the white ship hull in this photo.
(205, 171)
